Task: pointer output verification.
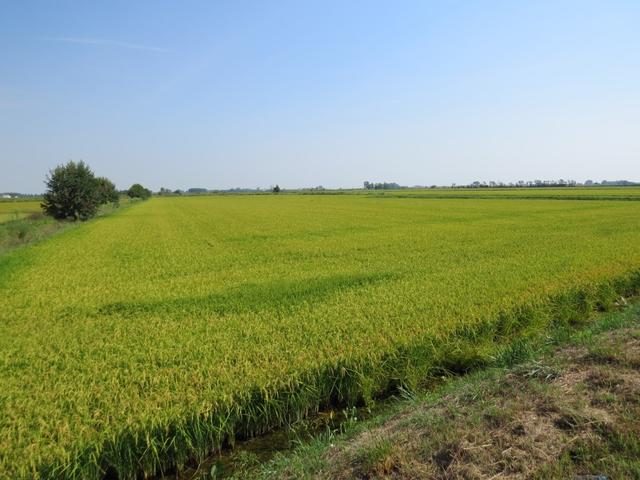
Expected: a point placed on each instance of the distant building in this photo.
(6, 195)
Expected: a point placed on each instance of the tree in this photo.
(72, 192)
(138, 191)
(107, 192)
(276, 189)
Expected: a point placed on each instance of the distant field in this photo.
(153, 335)
(15, 209)
(582, 193)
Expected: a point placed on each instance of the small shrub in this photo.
(72, 192)
(138, 191)
(107, 192)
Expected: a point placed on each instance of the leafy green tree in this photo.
(107, 192)
(276, 189)
(72, 192)
(138, 191)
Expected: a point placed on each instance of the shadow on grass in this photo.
(251, 297)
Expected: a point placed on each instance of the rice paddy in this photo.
(560, 193)
(16, 209)
(145, 339)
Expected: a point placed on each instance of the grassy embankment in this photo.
(22, 222)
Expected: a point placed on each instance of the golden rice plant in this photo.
(146, 339)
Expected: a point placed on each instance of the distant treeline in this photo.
(382, 186)
(369, 186)
(545, 183)
(492, 184)
(205, 191)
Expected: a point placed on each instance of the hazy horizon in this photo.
(458, 185)
(247, 94)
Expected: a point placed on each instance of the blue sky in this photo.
(229, 94)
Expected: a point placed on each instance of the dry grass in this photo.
(576, 412)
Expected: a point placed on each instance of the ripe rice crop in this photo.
(149, 337)
(13, 209)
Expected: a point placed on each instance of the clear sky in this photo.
(302, 93)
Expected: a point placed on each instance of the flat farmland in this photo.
(14, 210)
(147, 338)
(560, 193)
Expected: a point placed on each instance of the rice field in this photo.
(148, 338)
(560, 193)
(16, 209)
